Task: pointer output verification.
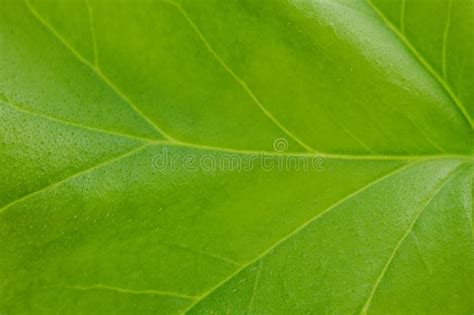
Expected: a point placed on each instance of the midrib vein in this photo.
(336, 156)
(174, 141)
(418, 212)
(298, 230)
(8, 102)
(402, 16)
(240, 152)
(95, 69)
(444, 85)
(235, 77)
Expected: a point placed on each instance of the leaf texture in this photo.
(378, 92)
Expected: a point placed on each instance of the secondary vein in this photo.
(235, 77)
(369, 157)
(396, 249)
(55, 184)
(101, 75)
(96, 70)
(132, 291)
(299, 229)
(92, 30)
(21, 108)
(445, 40)
(402, 16)
(444, 85)
(254, 291)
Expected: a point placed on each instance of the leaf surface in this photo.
(378, 93)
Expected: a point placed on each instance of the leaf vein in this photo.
(396, 249)
(55, 184)
(21, 108)
(95, 70)
(299, 229)
(131, 291)
(402, 16)
(322, 155)
(10, 103)
(205, 254)
(254, 291)
(445, 39)
(92, 30)
(235, 77)
(444, 85)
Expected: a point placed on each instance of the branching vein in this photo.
(446, 87)
(301, 228)
(21, 108)
(95, 69)
(396, 249)
(371, 157)
(236, 78)
(75, 175)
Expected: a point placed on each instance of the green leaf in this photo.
(234, 157)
